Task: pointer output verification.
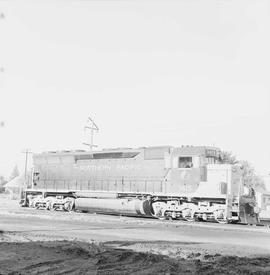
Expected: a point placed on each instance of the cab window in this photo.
(185, 162)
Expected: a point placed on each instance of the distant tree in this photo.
(3, 181)
(228, 158)
(250, 179)
(15, 173)
(258, 183)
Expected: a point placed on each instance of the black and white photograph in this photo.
(134, 137)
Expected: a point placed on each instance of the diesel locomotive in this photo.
(187, 182)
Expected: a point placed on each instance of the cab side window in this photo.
(185, 162)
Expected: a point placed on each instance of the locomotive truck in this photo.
(187, 182)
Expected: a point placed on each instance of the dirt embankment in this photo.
(65, 257)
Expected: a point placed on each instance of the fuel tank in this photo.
(128, 207)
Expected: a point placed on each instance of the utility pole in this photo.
(91, 125)
(26, 152)
(2, 17)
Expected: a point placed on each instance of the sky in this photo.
(148, 72)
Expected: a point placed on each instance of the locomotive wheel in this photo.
(188, 215)
(220, 216)
(198, 219)
(48, 206)
(52, 207)
(37, 206)
(190, 219)
(160, 217)
(222, 221)
(68, 206)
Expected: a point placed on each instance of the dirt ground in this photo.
(43, 242)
